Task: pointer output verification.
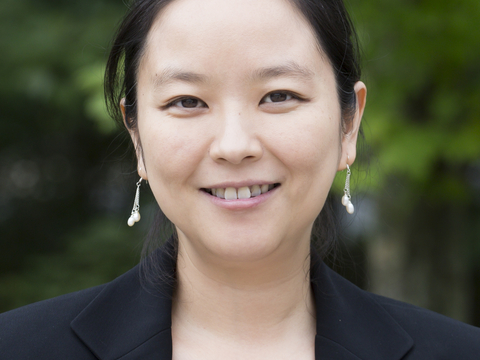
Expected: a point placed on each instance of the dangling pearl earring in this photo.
(135, 216)
(346, 198)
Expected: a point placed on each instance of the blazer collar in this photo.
(351, 325)
(131, 320)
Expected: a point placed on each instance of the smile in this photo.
(245, 192)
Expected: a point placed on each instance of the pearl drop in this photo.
(130, 221)
(345, 200)
(136, 217)
(350, 208)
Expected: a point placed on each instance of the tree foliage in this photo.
(421, 60)
(63, 169)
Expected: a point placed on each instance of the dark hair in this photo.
(336, 37)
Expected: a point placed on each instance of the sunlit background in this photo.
(67, 179)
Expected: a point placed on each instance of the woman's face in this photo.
(235, 95)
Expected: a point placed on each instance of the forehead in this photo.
(214, 34)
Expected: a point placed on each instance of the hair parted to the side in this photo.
(336, 37)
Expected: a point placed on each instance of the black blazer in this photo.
(125, 320)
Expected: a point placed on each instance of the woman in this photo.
(241, 113)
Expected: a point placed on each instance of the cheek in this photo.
(172, 152)
(311, 145)
(310, 150)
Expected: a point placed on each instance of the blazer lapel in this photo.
(129, 319)
(351, 325)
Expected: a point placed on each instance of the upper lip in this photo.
(239, 184)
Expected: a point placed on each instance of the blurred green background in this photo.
(67, 179)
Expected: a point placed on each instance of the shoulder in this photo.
(374, 327)
(124, 316)
(434, 335)
(42, 330)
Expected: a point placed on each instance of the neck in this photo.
(257, 302)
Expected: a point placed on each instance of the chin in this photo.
(237, 246)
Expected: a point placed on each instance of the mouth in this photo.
(245, 192)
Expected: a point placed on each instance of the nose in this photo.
(235, 142)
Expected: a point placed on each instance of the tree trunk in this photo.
(423, 263)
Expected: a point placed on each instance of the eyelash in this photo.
(293, 95)
(176, 100)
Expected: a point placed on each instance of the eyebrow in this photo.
(290, 69)
(170, 75)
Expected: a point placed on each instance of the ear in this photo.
(141, 169)
(349, 139)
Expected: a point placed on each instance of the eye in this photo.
(187, 103)
(279, 96)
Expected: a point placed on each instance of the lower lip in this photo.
(241, 204)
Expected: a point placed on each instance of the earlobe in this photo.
(349, 140)
(136, 143)
(141, 170)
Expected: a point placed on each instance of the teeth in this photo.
(256, 190)
(220, 192)
(244, 193)
(230, 193)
